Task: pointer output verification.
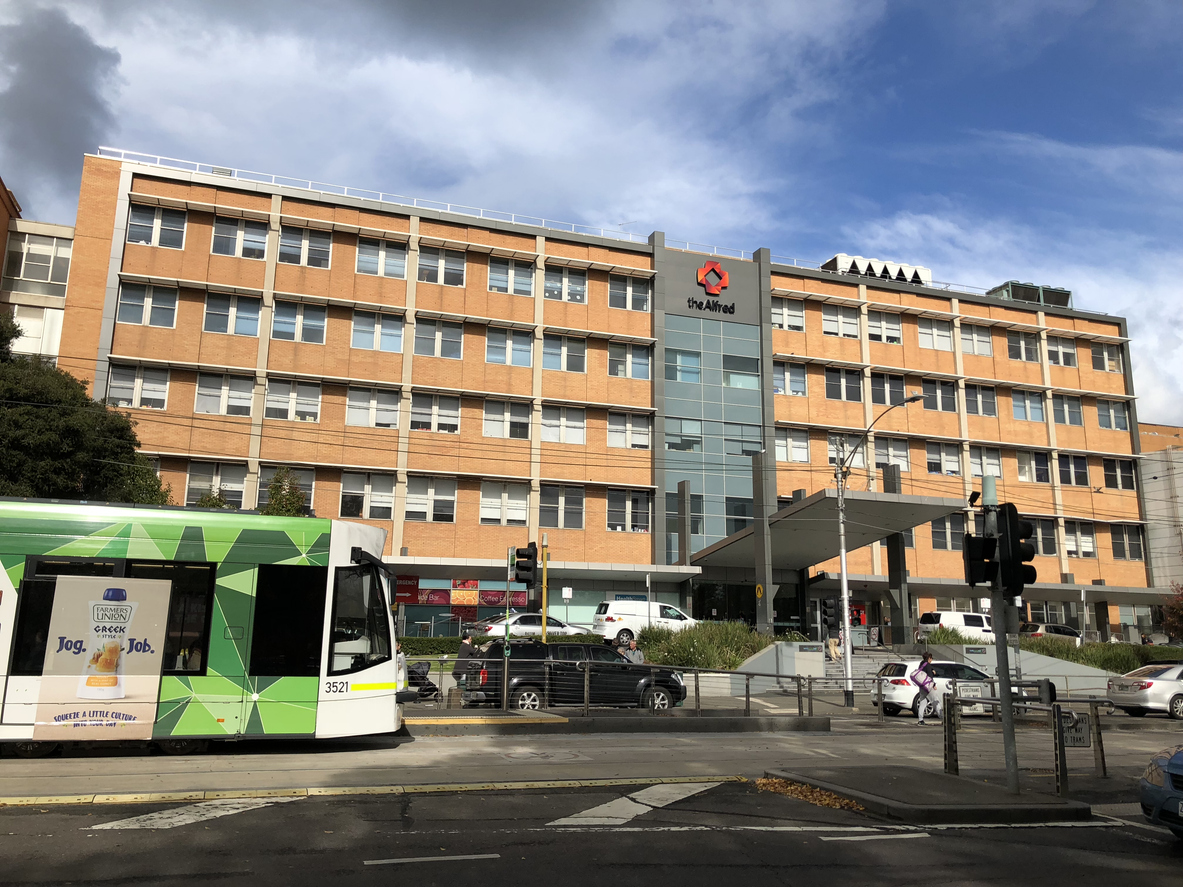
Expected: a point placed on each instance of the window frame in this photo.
(225, 389)
(432, 497)
(987, 458)
(1123, 545)
(307, 485)
(936, 451)
(981, 397)
(785, 378)
(1073, 470)
(565, 509)
(507, 421)
(789, 310)
(442, 270)
(368, 495)
(884, 330)
(940, 395)
(1022, 346)
(382, 257)
(936, 332)
(1061, 351)
(567, 424)
(887, 389)
(1026, 397)
(893, 451)
(1119, 470)
(217, 481)
(137, 387)
(566, 291)
(631, 420)
(298, 333)
(233, 315)
(512, 276)
(1076, 532)
(629, 499)
(840, 378)
(629, 362)
(307, 247)
(1066, 408)
(566, 354)
(951, 530)
(841, 321)
(157, 226)
(972, 334)
(295, 397)
(503, 489)
(378, 334)
(372, 407)
(438, 326)
(852, 441)
(629, 292)
(1108, 357)
(791, 445)
(684, 431)
(1112, 415)
(675, 370)
(511, 338)
(1033, 466)
(240, 240)
(438, 412)
(148, 306)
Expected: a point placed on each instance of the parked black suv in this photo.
(553, 674)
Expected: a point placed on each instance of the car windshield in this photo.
(602, 608)
(892, 670)
(930, 619)
(1150, 671)
(1028, 628)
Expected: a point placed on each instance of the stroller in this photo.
(417, 677)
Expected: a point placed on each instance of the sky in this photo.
(1039, 140)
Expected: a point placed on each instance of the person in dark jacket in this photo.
(468, 651)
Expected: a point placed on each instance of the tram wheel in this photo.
(32, 749)
(182, 746)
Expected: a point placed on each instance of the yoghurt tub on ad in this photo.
(110, 622)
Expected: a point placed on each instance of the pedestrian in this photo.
(633, 654)
(468, 651)
(923, 678)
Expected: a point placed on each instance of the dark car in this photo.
(556, 674)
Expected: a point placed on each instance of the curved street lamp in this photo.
(841, 470)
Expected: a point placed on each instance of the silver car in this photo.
(1156, 687)
(1050, 630)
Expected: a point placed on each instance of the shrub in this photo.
(948, 636)
(450, 646)
(723, 645)
(1115, 658)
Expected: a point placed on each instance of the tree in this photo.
(1172, 612)
(57, 443)
(212, 499)
(284, 496)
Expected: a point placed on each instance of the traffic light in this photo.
(830, 615)
(978, 554)
(525, 566)
(1014, 551)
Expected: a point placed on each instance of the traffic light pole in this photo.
(998, 606)
(847, 647)
(545, 558)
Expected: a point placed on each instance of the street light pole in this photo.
(841, 470)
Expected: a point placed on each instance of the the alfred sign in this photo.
(713, 280)
(712, 288)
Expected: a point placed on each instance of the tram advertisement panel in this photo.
(103, 657)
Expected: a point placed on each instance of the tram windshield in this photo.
(361, 627)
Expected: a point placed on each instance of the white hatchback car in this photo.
(976, 626)
(899, 693)
(523, 625)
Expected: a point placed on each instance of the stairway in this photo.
(865, 662)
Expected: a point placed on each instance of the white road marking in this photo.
(621, 810)
(876, 837)
(192, 813)
(431, 859)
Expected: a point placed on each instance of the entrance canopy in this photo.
(806, 532)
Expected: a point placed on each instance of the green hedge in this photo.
(706, 645)
(450, 646)
(1116, 658)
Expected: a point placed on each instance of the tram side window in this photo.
(361, 629)
(34, 608)
(186, 639)
(289, 621)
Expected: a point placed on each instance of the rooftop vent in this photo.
(845, 264)
(1014, 291)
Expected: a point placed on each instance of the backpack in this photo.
(922, 679)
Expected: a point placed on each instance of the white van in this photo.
(976, 626)
(621, 621)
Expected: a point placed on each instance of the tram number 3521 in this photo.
(336, 686)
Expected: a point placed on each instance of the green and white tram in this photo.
(178, 626)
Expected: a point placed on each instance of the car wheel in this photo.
(1135, 712)
(526, 699)
(892, 710)
(182, 746)
(33, 749)
(1176, 707)
(657, 699)
(623, 637)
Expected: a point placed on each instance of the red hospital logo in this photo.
(721, 281)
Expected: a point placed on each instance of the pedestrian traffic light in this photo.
(525, 566)
(830, 614)
(1014, 551)
(978, 554)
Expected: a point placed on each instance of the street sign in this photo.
(567, 592)
(1076, 735)
(759, 592)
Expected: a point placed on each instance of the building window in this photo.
(220, 395)
(629, 361)
(1079, 539)
(137, 387)
(1127, 541)
(382, 258)
(985, 461)
(852, 441)
(510, 347)
(1044, 537)
(509, 276)
(948, 533)
(789, 378)
(435, 412)
(697, 515)
(1066, 409)
(789, 314)
(436, 265)
(629, 511)
(683, 435)
(237, 314)
(1061, 351)
(1111, 414)
(41, 330)
(630, 431)
(976, 340)
(891, 451)
(298, 322)
(156, 226)
(1034, 468)
(628, 292)
(299, 401)
(980, 400)
(37, 264)
(304, 246)
(1074, 470)
(560, 508)
(940, 395)
(943, 458)
(1107, 358)
(240, 238)
(1028, 405)
(147, 305)
(372, 408)
(844, 384)
(377, 332)
(887, 389)
(506, 505)
(564, 353)
(741, 372)
(739, 513)
(792, 445)
(367, 495)
(566, 285)
(431, 499)
(305, 479)
(211, 477)
(564, 425)
(1119, 474)
(439, 338)
(840, 320)
(683, 366)
(1022, 346)
(935, 334)
(884, 327)
(741, 440)
(510, 421)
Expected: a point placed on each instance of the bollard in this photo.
(1098, 747)
(809, 680)
(1061, 758)
(952, 764)
(879, 691)
(747, 696)
(586, 689)
(800, 698)
(996, 707)
(697, 705)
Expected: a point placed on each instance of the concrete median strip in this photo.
(622, 810)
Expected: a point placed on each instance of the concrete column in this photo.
(684, 538)
(536, 391)
(250, 492)
(899, 603)
(763, 540)
(404, 419)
